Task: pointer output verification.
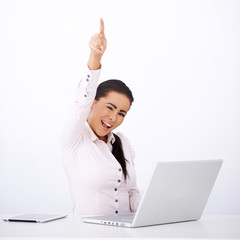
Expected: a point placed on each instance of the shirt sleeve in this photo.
(134, 193)
(85, 94)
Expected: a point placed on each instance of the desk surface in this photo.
(218, 226)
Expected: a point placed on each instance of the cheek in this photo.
(119, 121)
(93, 116)
(96, 112)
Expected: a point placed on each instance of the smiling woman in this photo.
(112, 102)
(99, 163)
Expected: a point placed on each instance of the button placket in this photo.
(118, 183)
(120, 176)
(116, 190)
(116, 201)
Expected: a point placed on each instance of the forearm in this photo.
(94, 61)
(134, 199)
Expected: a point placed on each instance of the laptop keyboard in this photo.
(125, 218)
(118, 218)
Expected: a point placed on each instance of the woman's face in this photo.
(108, 113)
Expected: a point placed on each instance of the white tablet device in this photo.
(37, 218)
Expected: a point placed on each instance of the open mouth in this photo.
(106, 125)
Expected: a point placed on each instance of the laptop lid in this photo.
(177, 191)
(37, 218)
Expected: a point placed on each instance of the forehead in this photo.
(120, 100)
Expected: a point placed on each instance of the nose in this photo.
(113, 117)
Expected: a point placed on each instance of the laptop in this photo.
(37, 218)
(177, 192)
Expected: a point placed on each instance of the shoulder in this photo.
(125, 141)
(127, 147)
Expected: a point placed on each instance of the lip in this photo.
(105, 125)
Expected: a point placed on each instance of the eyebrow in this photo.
(116, 107)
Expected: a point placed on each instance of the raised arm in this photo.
(86, 91)
(98, 45)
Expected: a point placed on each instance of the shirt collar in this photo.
(93, 137)
(111, 138)
(90, 132)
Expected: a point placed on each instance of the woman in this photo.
(99, 164)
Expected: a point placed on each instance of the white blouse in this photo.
(95, 177)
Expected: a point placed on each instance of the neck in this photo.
(104, 138)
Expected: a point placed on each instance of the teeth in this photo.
(107, 124)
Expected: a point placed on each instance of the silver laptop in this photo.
(177, 192)
(37, 218)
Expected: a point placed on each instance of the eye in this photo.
(110, 108)
(121, 114)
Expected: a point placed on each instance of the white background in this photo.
(180, 58)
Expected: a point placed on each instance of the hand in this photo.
(98, 43)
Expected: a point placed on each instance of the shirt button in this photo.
(119, 169)
(116, 211)
(116, 200)
(119, 180)
(87, 80)
(85, 95)
(88, 76)
(115, 189)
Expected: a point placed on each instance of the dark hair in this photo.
(113, 85)
(102, 90)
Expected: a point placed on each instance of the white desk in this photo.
(72, 227)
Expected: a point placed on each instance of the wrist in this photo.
(94, 61)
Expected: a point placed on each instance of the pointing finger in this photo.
(101, 27)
